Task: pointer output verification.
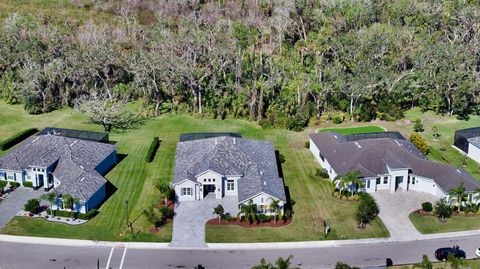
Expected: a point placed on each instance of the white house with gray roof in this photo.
(215, 167)
(70, 165)
(387, 161)
(467, 141)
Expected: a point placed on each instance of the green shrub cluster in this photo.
(263, 218)
(28, 184)
(17, 138)
(367, 209)
(66, 214)
(420, 143)
(337, 119)
(321, 172)
(152, 150)
(3, 183)
(32, 205)
(427, 206)
(307, 144)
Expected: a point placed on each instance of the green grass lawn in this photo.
(354, 130)
(431, 224)
(473, 264)
(135, 181)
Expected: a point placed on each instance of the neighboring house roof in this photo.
(74, 161)
(475, 141)
(253, 160)
(371, 157)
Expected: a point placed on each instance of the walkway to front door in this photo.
(191, 216)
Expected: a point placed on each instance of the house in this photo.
(387, 161)
(59, 159)
(208, 166)
(467, 141)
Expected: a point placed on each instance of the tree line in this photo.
(279, 62)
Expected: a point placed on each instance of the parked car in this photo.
(477, 252)
(442, 253)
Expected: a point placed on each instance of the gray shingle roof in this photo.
(474, 141)
(370, 156)
(254, 160)
(75, 161)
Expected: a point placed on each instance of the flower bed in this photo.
(246, 224)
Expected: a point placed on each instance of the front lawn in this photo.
(431, 224)
(135, 181)
(354, 130)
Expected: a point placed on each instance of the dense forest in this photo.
(279, 62)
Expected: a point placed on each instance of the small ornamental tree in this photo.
(420, 143)
(219, 211)
(442, 209)
(367, 209)
(435, 132)
(32, 205)
(418, 126)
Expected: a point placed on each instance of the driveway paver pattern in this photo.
(15, 202)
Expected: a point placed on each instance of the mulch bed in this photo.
(171, 205)
(246, 224)
(420, 212)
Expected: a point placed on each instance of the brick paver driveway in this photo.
(15, 202)
(395, 208)
(190, 219)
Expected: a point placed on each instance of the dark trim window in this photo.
(186, 191)
(321, 157)
(385, 180)
(413, 180)
(230, 185)
(378, 181)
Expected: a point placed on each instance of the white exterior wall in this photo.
(211, 178)
(324, 163)
(422, 184)
(383, 185)
(393, 182)
(474, 152)
(233, 192)
(265, 200)
(187, 184)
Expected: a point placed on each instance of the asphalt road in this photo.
(24, 256)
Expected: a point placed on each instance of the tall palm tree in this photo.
(350, 181)
(70, 202)
(275, 207)
(50, 197)
(249, 210)
(458, 195)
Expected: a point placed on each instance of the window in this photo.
(213, 180)
(230, 185)
(2, 175)
(186, 191)
(413, 180)
(10, 177)
(204, 180)
(209, 179)
(378, 181)
(261, 200)
(385, 180)
(321, 157)
(34, 169)
(368, 184)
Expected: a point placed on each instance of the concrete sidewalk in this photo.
(232, 246)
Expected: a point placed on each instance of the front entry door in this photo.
(398, 181)
(40, 180)
(208, 189)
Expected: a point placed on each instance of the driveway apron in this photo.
(190, 219)
(395, 208)
(15, 202)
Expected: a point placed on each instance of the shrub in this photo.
(262, 218)
(166, 212)
(32, 205)
(265, 123)
(3, 183)
(307, 144)
(418, 126)
(337, 119)
(281, 158)
(442, 209)
(17, 138)
(152, 150)
(15, 184)
(320, 172)
(427, 206)
(367, 209)
(420, 143)
(229, 218)
(89, 215)
(28, 184)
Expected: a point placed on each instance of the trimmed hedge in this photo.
(66, 214)
(17, 138)
(3, 183)
(28, 184)
(152, 150)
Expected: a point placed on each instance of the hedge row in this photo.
(28, 184)
(3, 183)
(152, 150)
(19, 137)
(66, 214)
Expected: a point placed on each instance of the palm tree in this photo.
(249, 210)
(350, 181)
(50, 197)
(69, 202)
(458, 194)
(275, 206)
(279, 264)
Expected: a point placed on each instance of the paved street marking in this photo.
(109, 258)
(123, 258)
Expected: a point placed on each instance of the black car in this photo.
(442, 253)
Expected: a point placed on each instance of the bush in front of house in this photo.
(261, 218)
(28, 184)
(152, 150)
(17, 138)
(367, 209)
(32, 205)
(427, 206)
(443, 209)
(307, 144)
(166, 212)
(3, 183)
(320, 172)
